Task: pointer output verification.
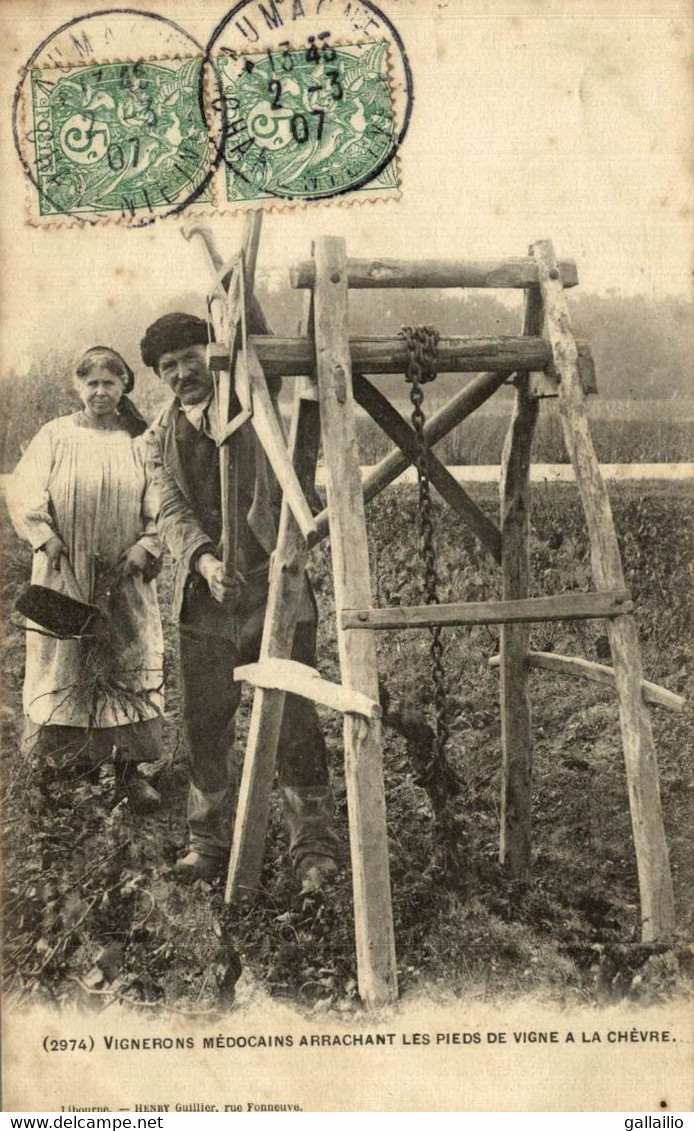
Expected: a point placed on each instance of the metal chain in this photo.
(421, 343)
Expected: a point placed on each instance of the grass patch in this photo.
(479, 439)
(91, 910)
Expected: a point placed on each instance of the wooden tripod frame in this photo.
(544, 361)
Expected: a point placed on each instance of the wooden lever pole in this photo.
(205, 234)
(237, 337)
(229, 326)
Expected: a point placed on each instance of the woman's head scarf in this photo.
(133, 422)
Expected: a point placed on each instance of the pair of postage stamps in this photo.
(280, 106)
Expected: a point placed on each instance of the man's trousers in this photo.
(210, 701)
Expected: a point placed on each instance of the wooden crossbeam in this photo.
(597, 673)
(569, 606)
(390, 420)
(462, 405)
(287, 357)
(300, 679)
(498, 273)
(292, 357)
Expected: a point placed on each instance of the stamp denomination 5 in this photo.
(317, 97)
(118, 137)
(308, 123)
(111, 121)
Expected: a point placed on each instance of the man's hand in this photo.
(133, 561)
(54, 550)
(226, 590)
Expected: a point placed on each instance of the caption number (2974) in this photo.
(68, 1044)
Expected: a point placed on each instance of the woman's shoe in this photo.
(142, 796)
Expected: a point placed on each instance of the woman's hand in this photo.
(133, 561)
(54, 550)
(226, 590)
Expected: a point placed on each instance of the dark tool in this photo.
(64, 615)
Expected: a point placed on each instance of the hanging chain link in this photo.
(422, 343)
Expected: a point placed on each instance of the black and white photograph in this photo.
(347, 456)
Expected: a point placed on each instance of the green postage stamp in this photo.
(136, 139)
(119, 137)
(309, 123)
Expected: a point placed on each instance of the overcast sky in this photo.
(576, 128)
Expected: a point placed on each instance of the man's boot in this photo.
(312, 840)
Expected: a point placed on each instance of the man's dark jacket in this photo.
(184, 466)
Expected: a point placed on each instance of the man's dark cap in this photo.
(172, 332)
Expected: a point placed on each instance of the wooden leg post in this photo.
(516, 738)
(655, 881)
(363, 758)
(286, 586)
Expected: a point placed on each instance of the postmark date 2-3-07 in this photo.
(308, 122)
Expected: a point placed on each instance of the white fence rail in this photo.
(539, 473)
(559, 473)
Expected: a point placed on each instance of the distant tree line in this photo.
(643, 347)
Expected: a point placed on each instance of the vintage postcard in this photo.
(346, 531)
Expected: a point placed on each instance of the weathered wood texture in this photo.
(597, 673)
(567, 606)
(287, 571)
(515, 272)
(300, 679)
(220, 316)
(463, 404)
(271, 436)
(655, 881)
(373, 914)
(286, 585)
(284, 357)
(289, 357)
(226, 316)
(204, 233)
(515, 841)
(546, 384)
(389, 419)
(250, 242)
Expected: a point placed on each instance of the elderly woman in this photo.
(80, 497)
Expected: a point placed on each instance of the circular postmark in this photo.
(111, 119)
(316, 97)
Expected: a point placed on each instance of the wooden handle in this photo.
(205, 233)
(229, 483)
